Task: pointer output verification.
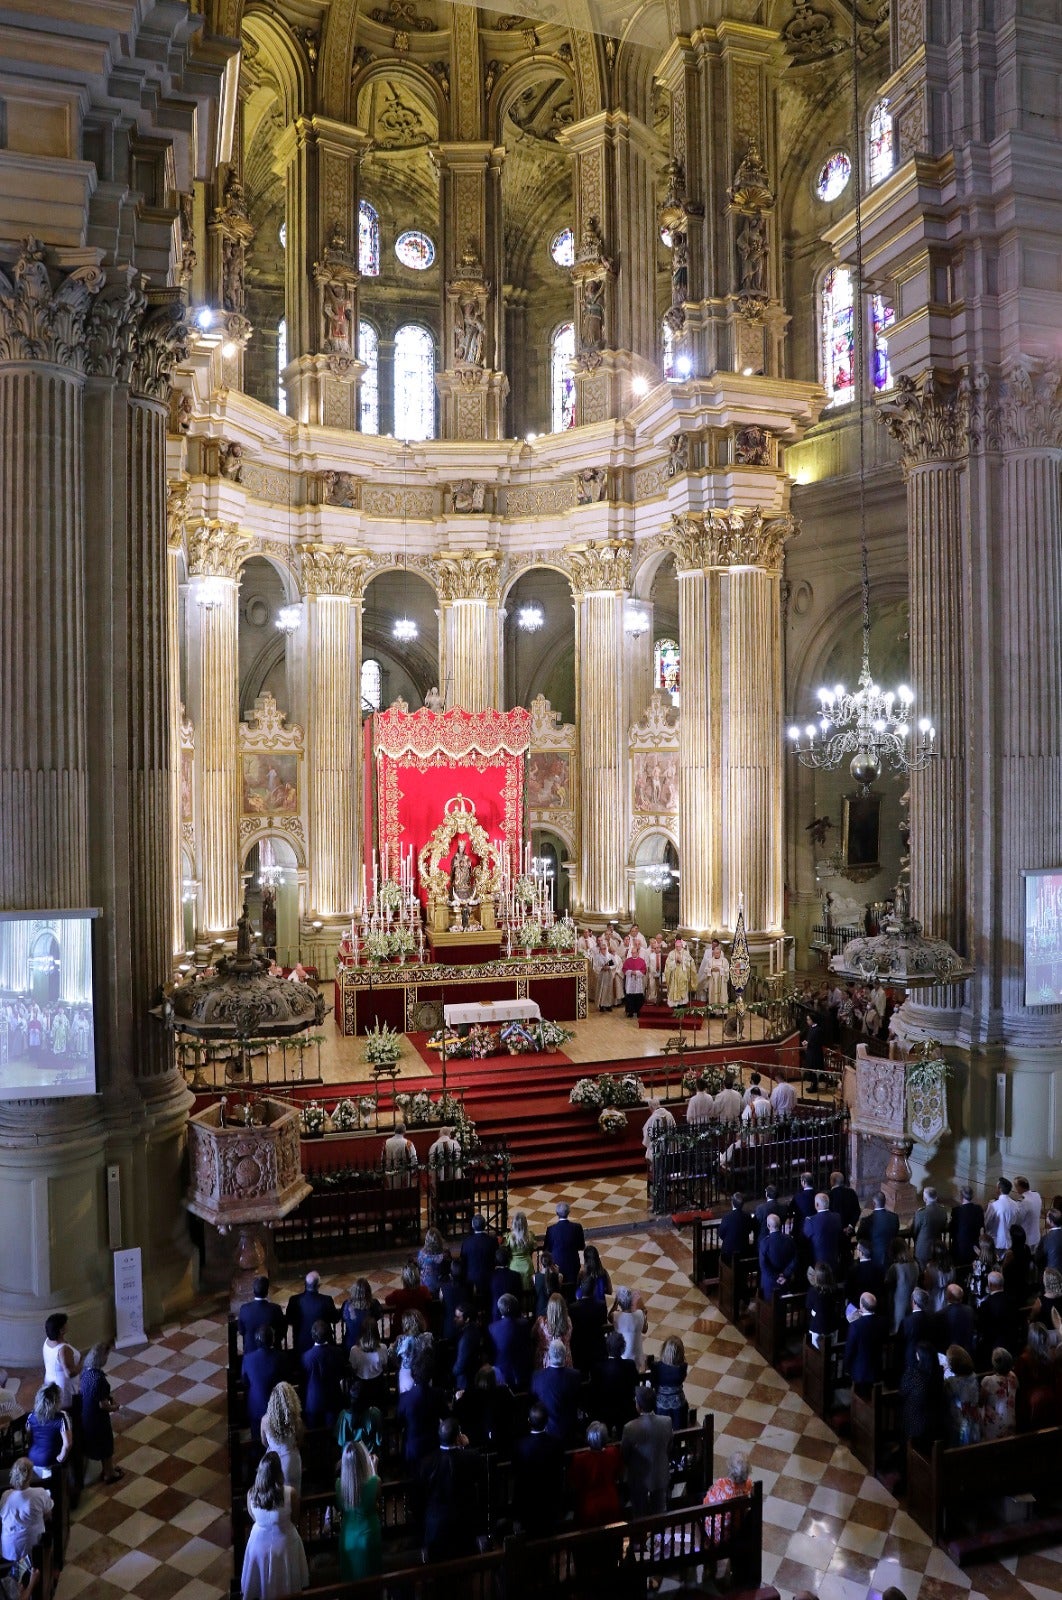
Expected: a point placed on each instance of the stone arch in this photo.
(285, 59)
(396, 72)
(512, 83)
(270, 831)
(642, 836)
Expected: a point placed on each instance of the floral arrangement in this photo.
(586, 1092)
(929, 1071)
(402, 942)
(551, 1035)
(612, 1122)
(482, 1041)
(420, 1111)
(629, 1090)
(389, 896)
(562, 935)
(530, 934)
(713, 1079)
(378, 946)
(383, 1046)
(519, 1039)
(447, 1037)
(345, 1116)
(367, 1108)
(524, 890)
(312, 1117)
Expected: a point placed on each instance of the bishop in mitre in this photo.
(713, 975)
(679, 975)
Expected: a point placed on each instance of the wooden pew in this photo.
(706, 1252)
(951, 1487)
(737, 1285)
(823, 1375)
(875, 1425)
(778, 1321)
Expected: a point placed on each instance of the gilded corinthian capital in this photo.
(600, 566)
(703, 540)
(334, 569)
(469, 575)
(929, 417)
(217, 549)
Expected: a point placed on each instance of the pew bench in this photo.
(824, 1374)
(956, 1493)
(875, 1425)
(779, 1322)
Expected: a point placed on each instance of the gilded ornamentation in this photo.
(678, 455)
(548, 732)
(929, 417)
(539, 499)
(42, 322)
(469, 575)
(658, 724)
(591, 485)
(176, 508)
(334, 569)
(265, 730)
(718, 539)
(217, 549)
(601, 566)
(752, 446)
(403, 14)
(393, 500)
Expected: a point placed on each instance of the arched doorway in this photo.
(656, 884)
(539, 641)
(271, 879)
(44, 968)
(550, 850)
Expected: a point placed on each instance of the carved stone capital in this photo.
(217, 549)
(43, 314)
(714, 539)
(332, 569)
(176, 511)
(929, 417)
(160, 343)
(600, 566)
(111, 327)
(1028, 415)
(469, 575)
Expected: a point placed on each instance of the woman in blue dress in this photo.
(97, 1403)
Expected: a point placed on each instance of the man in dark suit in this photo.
(956, 1325)
(557, 1388)
(538, 1477)
(928, 1228)
(802, 1205)
(735, 1231)
(863, 1347)
(420, 1410)
(864, 1276)
(261, 1312)
(918, 1326)
(612, 1384)
(455, 1500)
(845, 1201)
(1049, 1250)
(824, 1232)
(304, 1310)
(468, 1348)
(589, 1320)
(509, 1344)
(967, 1220)
(503, 1279)
(646, 1447)
(323, 1368)
(565, 1242)
(997, 1324)
(478, 1252)
(879, 1229)
(262, 1368)
(770, 1203)
(778, 1258)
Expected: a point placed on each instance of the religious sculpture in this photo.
(591, 485)
(680, 257)
(470, 333)
(467, 495)
(336, 316)
(461, 885)
(460, 867)
(678, 454)
(592, 325)
(433, 700)
(230, 461)
(752, 447)
(233, 264)
(752, 252)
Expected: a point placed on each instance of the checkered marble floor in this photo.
(163, 1533)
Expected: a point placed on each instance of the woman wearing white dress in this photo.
(274, 1562)
(282, 1433)
(61, 1361)
(632, 1323)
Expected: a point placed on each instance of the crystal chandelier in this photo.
(210, 591)
(870, 726)
(289, 618)
(660, 876)
(405, 629)
(635, 622)
(530, 617)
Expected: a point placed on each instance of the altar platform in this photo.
(410, 995)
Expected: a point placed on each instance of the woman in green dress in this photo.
(357, 1493)
(523, 1244)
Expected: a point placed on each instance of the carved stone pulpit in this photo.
(879, 1107)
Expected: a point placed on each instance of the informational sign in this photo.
(128, 1299)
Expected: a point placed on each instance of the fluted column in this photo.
(731, 838)
(331, 577)
(600, 573)
(929, 419)
(469, 591)
(176, 498)
(216, 551)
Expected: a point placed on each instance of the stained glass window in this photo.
(414, 249)
(283, 234)
(881, 320)
(881, 148)
(562, 354)
(368, 241)
(837, 335)
(562, 249)
(369, 401)
(666, 668)
(667, 349)
(371, 685)
(833, 176)
(414, 382)
(282, 361)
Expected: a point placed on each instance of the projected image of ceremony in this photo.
(47, 1045)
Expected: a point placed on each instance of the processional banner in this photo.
(422, 759)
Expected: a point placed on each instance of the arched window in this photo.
(282, 361)
(881, 143)
(667, 349)
(666, 668)
(368, 241)
(371, 685)
(369, 356)
(562, 384)
(881, 320)
(414, 382)
(837, 335)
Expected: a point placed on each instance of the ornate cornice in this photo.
(469, 575)
(332, 569)
(601, 566)
(217, 549)
(930, 417)
(45, 320)
(714, 539)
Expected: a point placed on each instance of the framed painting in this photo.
(549, 780)
(270, 783)
(860, 842)
(655, 780)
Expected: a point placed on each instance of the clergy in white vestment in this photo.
(635, 944)
(713, 975)
(679, 975)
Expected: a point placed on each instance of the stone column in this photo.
(469, 591)
(929, 419)
(731, 837)
(472, 385)
(600, 573)
(216, 551)
(332, 576)
(176, 500)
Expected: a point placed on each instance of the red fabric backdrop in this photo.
(423, 759)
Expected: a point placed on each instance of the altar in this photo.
(410, 996)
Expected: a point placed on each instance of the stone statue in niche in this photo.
(678, 454)
(752, 447)
(752, 254)
(341, 489)
(592, 325)
(233, 267)
(470, 333)
(680, 262)
(336, 317)
(180, 411)
(230, 461)
(591, 485)
(467, 495)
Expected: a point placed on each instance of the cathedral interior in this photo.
(566, 360)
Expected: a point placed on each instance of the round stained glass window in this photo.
(562, 248)
(833, 176)
(414, 249)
